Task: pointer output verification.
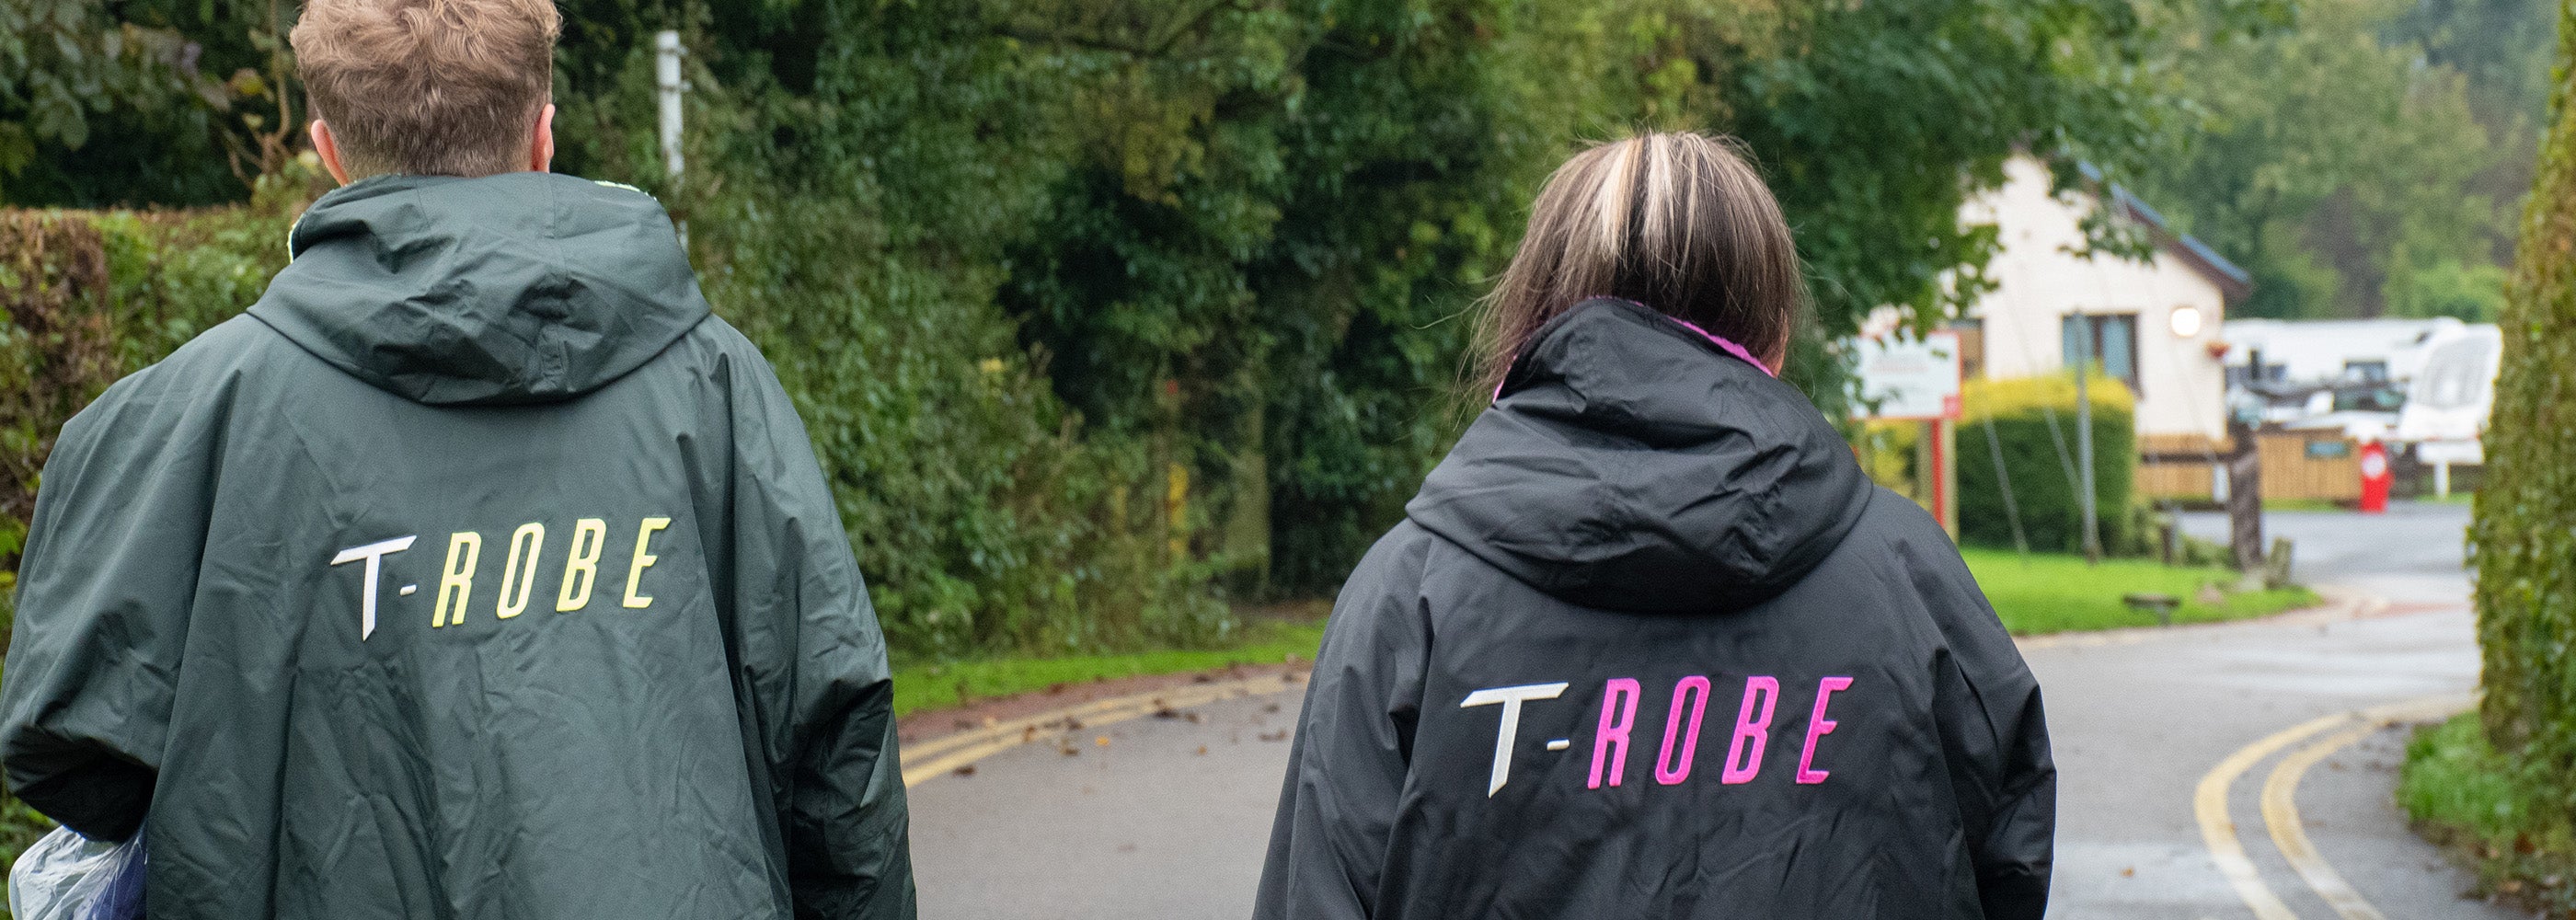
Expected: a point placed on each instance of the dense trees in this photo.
(2363, 157)
(1096, 304)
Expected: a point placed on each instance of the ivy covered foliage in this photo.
(2525, 524)
(1103, 312)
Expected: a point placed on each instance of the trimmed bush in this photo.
(2034, 419)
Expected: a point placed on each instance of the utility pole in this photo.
(666, 73)
(2245, 477)
(666, 70)
(2084, 437)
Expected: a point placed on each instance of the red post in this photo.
(2375, 478)
(1940, 474)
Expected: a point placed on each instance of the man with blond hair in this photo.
(476, 572)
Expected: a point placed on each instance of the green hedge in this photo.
(2524, 526)
(982, 517)
(87, 298)
(2034, 419)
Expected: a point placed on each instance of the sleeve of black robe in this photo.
(1328, 844)
(1994, 736)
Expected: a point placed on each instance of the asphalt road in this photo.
(1168, 817)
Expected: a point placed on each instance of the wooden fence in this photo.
(2318, 465)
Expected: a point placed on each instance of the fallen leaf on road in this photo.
(967, 770)
(2130, 872)
(1280, 735)
(1102, 741)
(1202, 750)
(1194, 718)
(1274, 707)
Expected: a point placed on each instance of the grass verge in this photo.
(943, 684)
(2467, 797)
(2051, 593)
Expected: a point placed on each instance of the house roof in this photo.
(2233, 281)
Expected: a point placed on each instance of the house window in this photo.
(1972, 347)
(2109, 339)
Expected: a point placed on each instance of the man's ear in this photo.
(328, 148)
(541, 151)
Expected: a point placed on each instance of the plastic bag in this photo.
(66, 876)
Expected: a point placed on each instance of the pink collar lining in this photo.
(1724, 344)
(1729, 346)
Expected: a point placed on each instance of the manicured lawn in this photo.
(2059, 593)
(2464, 795)
(933, 686)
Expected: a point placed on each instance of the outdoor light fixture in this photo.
(2186, 321)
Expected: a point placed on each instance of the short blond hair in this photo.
(1679, 222)
(429, 87)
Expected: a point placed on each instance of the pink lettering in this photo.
(1744, 756)
(1666, 771)
(1817, 727)
(1613, 734)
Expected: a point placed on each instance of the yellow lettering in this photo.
(581, 572)
(456, 582)
(525, 544)
(643, 560)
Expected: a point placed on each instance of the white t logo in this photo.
(1511, 698)
(375, 554)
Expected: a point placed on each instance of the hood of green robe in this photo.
(509, 289)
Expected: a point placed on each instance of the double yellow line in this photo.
(2281, 810)
(940, 755)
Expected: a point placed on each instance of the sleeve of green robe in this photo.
(811, 643)
(105, 584)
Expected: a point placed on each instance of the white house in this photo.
(2153, 324)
